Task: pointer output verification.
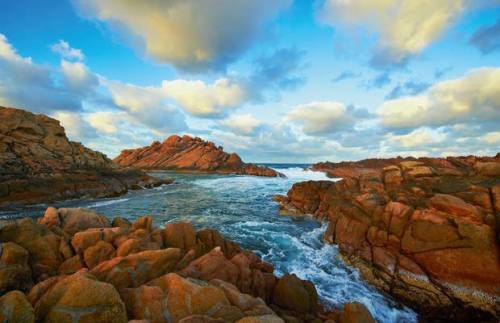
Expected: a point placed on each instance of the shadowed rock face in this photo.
(191, 155)
(425, 231)
(38, 163)
(72, 265)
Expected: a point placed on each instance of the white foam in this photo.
(108, 202)
(301, 174)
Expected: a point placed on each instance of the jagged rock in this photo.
(15, 308)
(179, 235)
(189, 154)
(39, 164)
(423, 230)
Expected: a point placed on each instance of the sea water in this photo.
(241, 208)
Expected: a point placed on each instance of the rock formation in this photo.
(191, 155)
(39, 164)
(425, 231)
(73, 265)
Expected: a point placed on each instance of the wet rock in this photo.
(425, 230)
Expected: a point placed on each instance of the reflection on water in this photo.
(242, 209)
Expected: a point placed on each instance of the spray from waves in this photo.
(305, 254)
(301, 174)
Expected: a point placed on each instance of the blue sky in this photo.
(280, 81)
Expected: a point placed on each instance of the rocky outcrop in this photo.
(72, 265)
(425, 231)
(190, 155)
(39, 164)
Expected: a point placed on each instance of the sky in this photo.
(275, 81)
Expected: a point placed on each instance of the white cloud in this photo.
(78, 77)
(422, 137)
(205, 100)
(244, 124)
(26, 84)
(492, 137)
(190, 34)
(76, 127)
(105, 121)
(66, 51)
(472, 98)
(321, 117)
(147, 106)
(405, 27)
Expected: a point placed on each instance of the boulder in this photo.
(82, 298)
(98, 253)
(295, 294)
(41, 244)
(15, 272)
(186, 297)
(355, 313)
(15, 308)
(138, 268)
(179, 235)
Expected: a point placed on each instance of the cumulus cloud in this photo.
(147, 106)
(492, 137)
(470, 99)
(244, 124)
(77, 77)
(487, 38)
(24, 83)
(190, 34)
(205, 100)
(66, 51)
(319, 118)
(405, 28)
(421, 138)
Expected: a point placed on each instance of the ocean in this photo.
(241, 208)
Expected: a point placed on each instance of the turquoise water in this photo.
(242, 209)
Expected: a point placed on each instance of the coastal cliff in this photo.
(39, 164)
(74, 265)
(423, 230)
(191, 155)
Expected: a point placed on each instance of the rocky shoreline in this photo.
(38, 164)
(73, 265)
(424, 230)
(188, 154)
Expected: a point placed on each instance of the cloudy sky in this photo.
(275, 81)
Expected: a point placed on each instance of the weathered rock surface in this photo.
(191, 155)
(425, 231)
(72, 266)
(39, 164)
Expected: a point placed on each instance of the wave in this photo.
(301, 174)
